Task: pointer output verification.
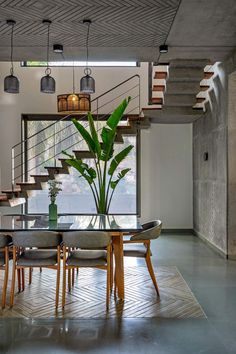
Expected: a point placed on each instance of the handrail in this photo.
(23, 145)
(59, 131)
(71, 114)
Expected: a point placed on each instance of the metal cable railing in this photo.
(23, 145)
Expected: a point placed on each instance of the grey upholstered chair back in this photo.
(151, 230)
(86, 239)
(4, 240)
(40, 239)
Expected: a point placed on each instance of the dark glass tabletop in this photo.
(115, 223)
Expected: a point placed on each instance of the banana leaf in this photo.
(120, 175)
(118, 159)
(85, 134)
(78, 165)
(116, 116)
(94, 135)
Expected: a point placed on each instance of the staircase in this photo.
(179, 91)
(178, 94)
(26, 180)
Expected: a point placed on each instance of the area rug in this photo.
(88, 297)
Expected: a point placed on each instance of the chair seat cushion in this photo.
(38, 258)
(134, 250)
(87, 258)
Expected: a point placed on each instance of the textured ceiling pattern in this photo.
(115, 23)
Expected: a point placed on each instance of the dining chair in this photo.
(5, 242)
(139, 245)
(86, 249)
(36, 249)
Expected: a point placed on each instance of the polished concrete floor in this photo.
(211, 278)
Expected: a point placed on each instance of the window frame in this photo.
(25, 64)
(25, 118)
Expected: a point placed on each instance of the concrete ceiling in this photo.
(121, 30)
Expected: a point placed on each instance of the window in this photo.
(80, 63)
(76, 196)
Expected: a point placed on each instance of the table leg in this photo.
(117, 241)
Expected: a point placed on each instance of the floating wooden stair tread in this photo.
(204, 87)
(41, 178)
(16, 201)
(15, 190)
(159, 88)
(200, 99)
(208, 74)
(157, 100)
(160, 75)
(83, 154)
(3, 198)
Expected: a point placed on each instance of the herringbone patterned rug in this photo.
(87, 299)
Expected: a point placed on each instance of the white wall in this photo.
(166, 150)
(166, 155)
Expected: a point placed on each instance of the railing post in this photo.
(12, 169)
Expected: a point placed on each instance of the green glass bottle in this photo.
(52, 211)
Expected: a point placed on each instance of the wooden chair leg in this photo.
(115, 287)
(30, 276)
(40, 269)
(111, 272)
(151, 272)
(77, 271)
(23, 278)
(108, 293)
(64, 278)
(73, 277)
(19, 280)
(58, 276)
(4, 290)
(13, 277)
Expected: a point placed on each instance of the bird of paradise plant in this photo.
(101, 178)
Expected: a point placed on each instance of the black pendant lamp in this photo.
(47, 83)
(11, 83)
(87, 82)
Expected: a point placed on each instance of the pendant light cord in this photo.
(48, 69)
(12, 32)
(87, 44)
(73, 77)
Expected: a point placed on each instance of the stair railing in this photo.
(100, 103)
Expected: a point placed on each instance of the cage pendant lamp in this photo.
(47, 83)
(87, 82)
(11, 82)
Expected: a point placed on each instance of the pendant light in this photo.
(47, 84)
(87, 83)
(11, 83)
(73, 102)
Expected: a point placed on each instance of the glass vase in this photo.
(52, 211)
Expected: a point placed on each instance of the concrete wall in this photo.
(231, 205)
(210, 177)
(166, 151)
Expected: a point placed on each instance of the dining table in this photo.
(116, 225)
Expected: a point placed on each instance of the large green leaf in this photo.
(118, 159)
(108, 137)
(121, 175)
(94, 134)
(78, 165)
(85, 134)
(116, 116)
